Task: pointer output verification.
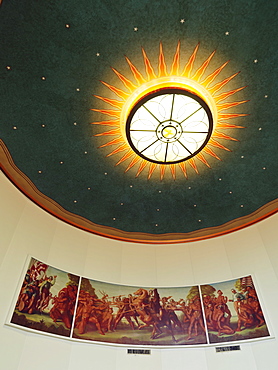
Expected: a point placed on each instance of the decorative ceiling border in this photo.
(25, 185)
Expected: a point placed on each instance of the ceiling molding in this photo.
(25, 185)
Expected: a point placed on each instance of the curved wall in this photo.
(26, 229)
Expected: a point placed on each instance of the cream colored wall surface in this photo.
(28, 230)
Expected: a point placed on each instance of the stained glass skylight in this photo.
(169, 126)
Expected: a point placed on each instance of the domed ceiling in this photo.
(110, 150)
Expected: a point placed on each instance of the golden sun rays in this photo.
(187, 80)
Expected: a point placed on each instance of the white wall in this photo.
(26, 229)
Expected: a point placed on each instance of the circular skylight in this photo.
(169, 126)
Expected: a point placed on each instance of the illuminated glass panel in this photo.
(169, 126)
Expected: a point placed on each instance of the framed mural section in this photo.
(59, 303)
(233, 311)
(138, 315)
(46, 300)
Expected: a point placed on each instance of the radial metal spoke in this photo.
(191, 115)
(172, 107)
(148, 146)
(195, 132)
(167, 144)
(184, 146)
(144, 130)
(150, 113)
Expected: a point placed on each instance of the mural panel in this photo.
(136, 315)
(47, 298)
(233, 311)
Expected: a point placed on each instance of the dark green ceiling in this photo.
(52, 116)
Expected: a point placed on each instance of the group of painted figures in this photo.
(35, 297)
(246, 305)
(143, 308)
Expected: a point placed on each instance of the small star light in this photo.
(85, 152)
(189, 187)
(264, 168)
(89, 188)
(105, 173)
(15, 128)
(156, 224)
(230, 192)
(40, 171)
(200, 220)
(77, 89)
(75, 123)
(255, 60)
(242, 156)
(227, 33)
(8, 68)
(43, 78)
(61, 162)
(114, 218)
(241, 205)
(182, 21)
(158, 209)
(260, 129)
(159, 191)
(266, 96)
(75, 201)
(130, 186)
(195, 205)
(43, 125)
(122, 204)
(97, 54)
(67, 25)
(220, 179)
(135, 29)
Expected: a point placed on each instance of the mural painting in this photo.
(60, 303)
(140, 316)
(47, 298)
(233, 311)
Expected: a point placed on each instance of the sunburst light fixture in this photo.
(169, 119)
